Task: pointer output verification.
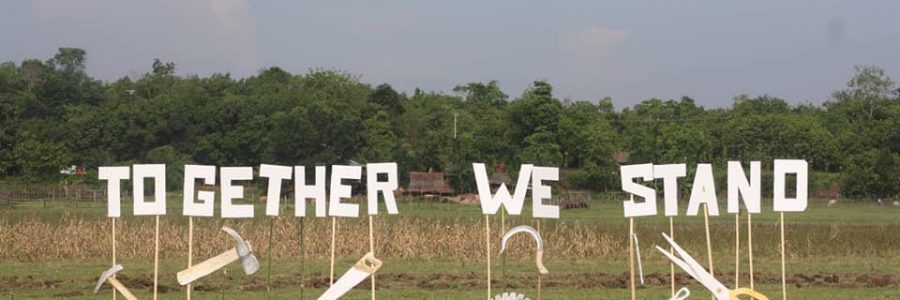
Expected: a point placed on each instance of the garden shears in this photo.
(690, 265)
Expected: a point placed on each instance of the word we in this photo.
(229, 191)
(490, 204)
(703, 190)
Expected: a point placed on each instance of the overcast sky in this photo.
(628, 50)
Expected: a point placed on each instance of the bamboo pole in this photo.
(503, 256)
(333, 229)
(750, 246)
(737, 250)
(372, 249)
(631, 256)
(302, 260)
(487, 243)
(539, 273)
(269, 256)
(783, 278)
(671, 250)
(156, 260)
(226, 246)
(114, 252)
(190, 251)
(708, 241)
(539, 287)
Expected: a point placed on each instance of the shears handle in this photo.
(747, 292)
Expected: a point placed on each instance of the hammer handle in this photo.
(121, 288)
(208, 266)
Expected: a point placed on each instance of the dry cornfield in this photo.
(77, 238)
(405, 237)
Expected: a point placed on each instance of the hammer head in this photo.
(106, 275)
(248, 260)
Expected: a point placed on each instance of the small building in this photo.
(428, 183)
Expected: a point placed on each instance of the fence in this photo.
(17, 193)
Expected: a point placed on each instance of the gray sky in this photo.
(628, 50)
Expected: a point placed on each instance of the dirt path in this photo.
(441, 281)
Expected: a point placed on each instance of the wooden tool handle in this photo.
(368, 263)
(539, 260)
(208, 266)
(747, 292)
(121, 288)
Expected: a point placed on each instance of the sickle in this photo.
(539, 256)
(682, 294)
(746, 292)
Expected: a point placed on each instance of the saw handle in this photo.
(208, 266)
(368, 263)
(121, 288)
(539, 260)
(747, 292)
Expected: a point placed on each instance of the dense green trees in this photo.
(53, 114)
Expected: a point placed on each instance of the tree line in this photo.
(54, 114)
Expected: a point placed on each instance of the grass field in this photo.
(436, 251)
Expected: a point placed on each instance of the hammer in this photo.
(108, 277)
(241, 251)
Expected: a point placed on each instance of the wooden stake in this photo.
(269, 257)
(372, 249)
(631, 255)
(737, 250)
(783, 279)
(333, 229)
(302, 260)
(156, 259)
(671, 250)
(114, 251)
(539, 274)
(750, 246)
(487, 243)
(539, 286)
(503, 256)
(225, 245)
(708, 241)
(190, 251)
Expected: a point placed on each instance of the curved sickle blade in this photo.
(537, 239)
(526, 229)
(106, 275)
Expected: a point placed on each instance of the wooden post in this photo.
(269, 255)
(750, 246)
(539, 273)
(156, 260)
(783, 279)
(372, 249)
(672, 250)
(503, 257)
(190, 251)
(487, 244)
(631, 255)
(114, 251)
(225, 245)
(302, 260)
(737, 250)
(333, 229)
(539, 287)
(708, 242)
